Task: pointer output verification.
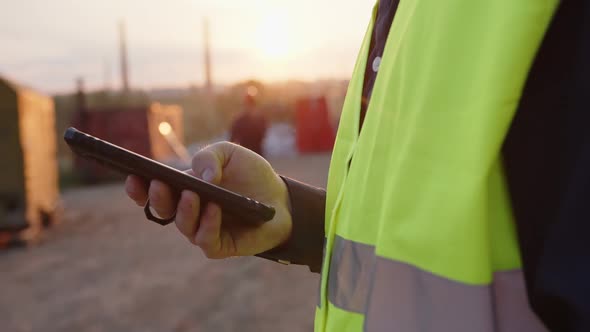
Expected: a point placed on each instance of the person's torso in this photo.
(249, 130)
(418, 223)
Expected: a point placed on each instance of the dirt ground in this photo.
(106, 268)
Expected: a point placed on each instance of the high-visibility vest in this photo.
(419, 230)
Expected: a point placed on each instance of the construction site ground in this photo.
(106, 268)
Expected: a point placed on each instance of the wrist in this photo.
(304, 206)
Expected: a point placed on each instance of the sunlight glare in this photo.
(165, 128)
(274, 37)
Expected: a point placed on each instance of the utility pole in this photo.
(106, 75)
(123, 54)
(207, 58)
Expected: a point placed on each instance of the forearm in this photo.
(306, 243)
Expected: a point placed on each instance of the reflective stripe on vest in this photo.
(420, 193)
(394, 294)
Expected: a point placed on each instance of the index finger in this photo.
(208, 163)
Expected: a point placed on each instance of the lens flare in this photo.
(165, 128)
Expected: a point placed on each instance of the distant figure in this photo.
(249, 127)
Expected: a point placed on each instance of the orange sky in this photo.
(46, 44)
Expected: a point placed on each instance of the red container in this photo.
(133, 128)
(314, 131)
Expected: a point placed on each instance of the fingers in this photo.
(208, 235)
(187, 214)
(136, 189)
(162, 199)
(208, 163)
(203, 231)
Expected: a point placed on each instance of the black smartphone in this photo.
(128, 162)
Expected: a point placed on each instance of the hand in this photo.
(237, 169)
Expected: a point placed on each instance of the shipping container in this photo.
(134, 128)
(313, 126)
(29, 190)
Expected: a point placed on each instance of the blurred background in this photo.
(163, 79)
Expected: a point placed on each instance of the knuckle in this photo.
(181, 220)
(202, 159)
(199, 242)
(221, 148)
(188, 204)
(179, 223)
(158, 195)
(207, 253)
(219, 145)
(205, 244)
(212, 254)
(209, 247)
(133, 192)
(130, 191)
(154, 192)
(185, 207)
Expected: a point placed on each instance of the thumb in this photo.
(208, 163)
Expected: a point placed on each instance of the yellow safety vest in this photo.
(420, 235)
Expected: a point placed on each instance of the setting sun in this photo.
(266, 40)
(273, 36)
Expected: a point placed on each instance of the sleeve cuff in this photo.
(305, 246)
